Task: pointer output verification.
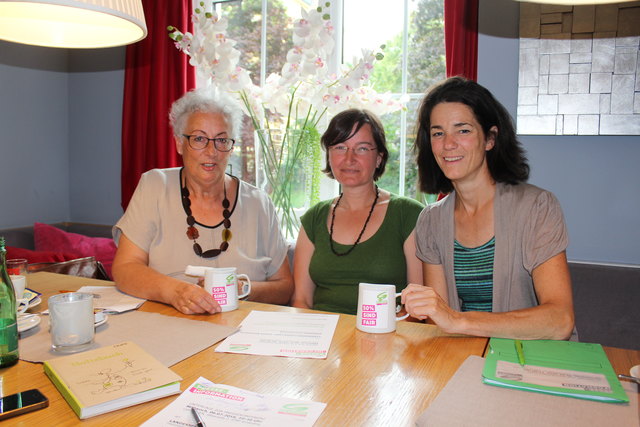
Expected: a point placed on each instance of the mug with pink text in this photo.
(377, 308)
(222, 284)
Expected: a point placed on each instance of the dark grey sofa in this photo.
(606, 300)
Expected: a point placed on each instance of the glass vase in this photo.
(288, 170)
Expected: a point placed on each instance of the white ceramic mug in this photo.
(72, 321)
(19, 283)
(222, 284)
(377, 308)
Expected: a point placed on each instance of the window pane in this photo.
(245, 27)
(411, 167)
(426, 64)
(390, 180)
(369, 24)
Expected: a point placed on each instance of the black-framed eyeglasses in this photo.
(200, 142)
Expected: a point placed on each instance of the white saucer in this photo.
(635, 371)
(28, 322)
(36, 301)
(100, 319)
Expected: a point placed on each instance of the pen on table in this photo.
(520, 352)
(196, 415)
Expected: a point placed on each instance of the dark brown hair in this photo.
(346, 124)
(506, 160)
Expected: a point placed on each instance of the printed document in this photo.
(224, 405)
(111, 300)
(266, 333)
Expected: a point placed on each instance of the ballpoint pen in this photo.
(196, 415)
(520, 352)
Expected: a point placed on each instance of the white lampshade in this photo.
(72, 23)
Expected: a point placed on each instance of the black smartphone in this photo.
(20, 403)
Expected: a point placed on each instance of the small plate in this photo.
(635, 371)
(35, 302)
(27, 322)
(100, 319)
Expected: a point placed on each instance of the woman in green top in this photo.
(363, 235)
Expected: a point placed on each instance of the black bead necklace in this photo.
(333, 218)
(192, 231)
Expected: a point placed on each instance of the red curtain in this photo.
(461, 38)
(156, 74)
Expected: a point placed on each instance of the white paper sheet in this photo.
(266, 333)
(224, 405)
(553, 377)
(111, 300)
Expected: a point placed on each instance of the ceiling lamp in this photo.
(72, 23)
(575, 2)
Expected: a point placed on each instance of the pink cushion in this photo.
(35, 256)
(49, 238)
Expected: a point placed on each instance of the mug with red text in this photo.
(377, 308)
(222, 284)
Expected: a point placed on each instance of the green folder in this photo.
(563, 368)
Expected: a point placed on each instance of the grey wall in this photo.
(62, 108)
(596, 179)
(60, 123)
(96, 79)
(34, 135)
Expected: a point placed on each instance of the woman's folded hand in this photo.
(189, 298)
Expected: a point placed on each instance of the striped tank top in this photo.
(473, 271)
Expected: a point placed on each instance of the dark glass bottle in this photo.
(8, 317)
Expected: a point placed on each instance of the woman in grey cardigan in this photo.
(493, 250)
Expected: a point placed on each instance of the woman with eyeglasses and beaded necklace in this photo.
(199, 215)
(363, 235)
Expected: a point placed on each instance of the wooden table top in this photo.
(367, 379)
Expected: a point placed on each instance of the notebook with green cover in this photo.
(564, 368)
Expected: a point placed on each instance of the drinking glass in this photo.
(71, 319)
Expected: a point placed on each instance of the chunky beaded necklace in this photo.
(192, 231)
(333, 218)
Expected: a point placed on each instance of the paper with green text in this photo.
(224, 405)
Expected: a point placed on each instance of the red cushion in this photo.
(41, 256)
(49, 238)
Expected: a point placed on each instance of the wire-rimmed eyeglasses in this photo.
(342, 150)
(200, 142)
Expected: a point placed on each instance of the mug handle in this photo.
(246, 287)
(398, 309)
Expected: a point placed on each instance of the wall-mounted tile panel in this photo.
(579, 70)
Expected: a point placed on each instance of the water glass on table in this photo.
(17, 266)
(71, 319)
